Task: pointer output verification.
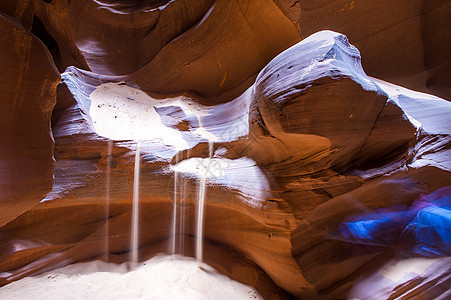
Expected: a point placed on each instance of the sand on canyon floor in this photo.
(162, 277)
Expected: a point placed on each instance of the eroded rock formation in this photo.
(29, 80)
(204, 47)
(405, 42)
(304, 141)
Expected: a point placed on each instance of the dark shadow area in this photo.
(38, 29)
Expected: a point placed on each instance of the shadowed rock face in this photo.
(29, 79)
(22, 11)
(405, 42)
(202, 46)
(304, 142)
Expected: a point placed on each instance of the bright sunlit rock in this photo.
(120, 112)
(242, 174)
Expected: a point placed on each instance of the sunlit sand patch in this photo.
(162, 277)
(120, 112)
(242, 174)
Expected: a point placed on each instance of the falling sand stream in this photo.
(201, 207)
(135, 209)
(123, 113)
(107, 196)
(174, 211)
(120, 112)
(178, 213)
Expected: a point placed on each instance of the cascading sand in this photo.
(107, 196)
(135, 209)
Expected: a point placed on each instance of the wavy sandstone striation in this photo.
(29, 79)
(203, 47)
(405, 42)
(299, 140)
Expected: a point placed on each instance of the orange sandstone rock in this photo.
(29, 79)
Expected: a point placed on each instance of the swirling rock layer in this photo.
(292, 147)
(405, 42)
(29, 79)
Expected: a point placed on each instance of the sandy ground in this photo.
(162, 277)
(396, 275)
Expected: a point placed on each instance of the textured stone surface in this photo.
(302, 143)
(28, 78)
(22, 11)
(406, 278)
(405, 42)
(203, 47)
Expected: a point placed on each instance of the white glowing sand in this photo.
(242, 174)
(120, 112)
(162, 277)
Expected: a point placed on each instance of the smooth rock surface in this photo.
(28, 78)
(396, 278)
(204, 47)
(292, 145)
(404, 42)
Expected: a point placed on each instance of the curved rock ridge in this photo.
(130, 34)
(185, 46)
(404, 42)
(22, 11)
(288, 159)
(310, 89)
(388, 146)
(80, 170)
(130, 38)
(389, 281)
(29, 79)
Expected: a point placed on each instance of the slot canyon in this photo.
(225, 149)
